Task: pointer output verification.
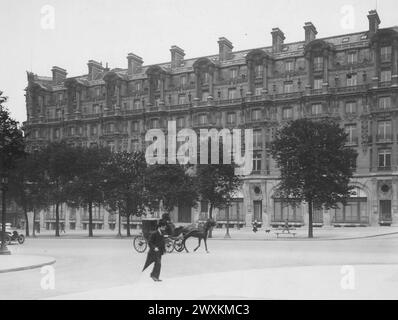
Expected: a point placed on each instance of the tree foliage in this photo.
(315, 165)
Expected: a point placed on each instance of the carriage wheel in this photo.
(179, 245)
(21, 239)
(169, 245)
(140, 244)
(8, 240)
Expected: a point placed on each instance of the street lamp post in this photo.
(3, 249)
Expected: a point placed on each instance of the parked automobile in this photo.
(12, 235)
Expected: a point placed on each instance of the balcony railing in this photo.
(384, 138)
(385, 84)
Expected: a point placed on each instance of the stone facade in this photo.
(352, 78)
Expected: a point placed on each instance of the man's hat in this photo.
(162, 223)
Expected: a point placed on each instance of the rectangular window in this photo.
(384, 130)
(289, 66)
(384, 103)
(181, 99)
(385, 158)
(316, 109)
(205, 95)
(257, 139)
(60, 97)
(318, 63)
(180, 122)
(351, 80)
(288, 88)
(203, 119)
(137, 104)
(111, 145)
(183, 81)
(97, 92)
(385, 76)
(155, 124)
(351, 130)
(94, 130)
(256, 114)
(134, 126)
(258, 91)
(231, 118)
(206, 78)
(135, 145)
(234, 73)
(257, 161)
(137, 86)
(231, 94)
(258, 71)
(287, 113)
(385, 54)
(352, 58)
(350, 107)
(318, 84)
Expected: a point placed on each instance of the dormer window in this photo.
(206, 78)
(259, 71)
(318, 63)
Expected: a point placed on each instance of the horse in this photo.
(200, 233)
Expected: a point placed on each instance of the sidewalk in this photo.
(15, 262)
(312, 282)
(246, 233)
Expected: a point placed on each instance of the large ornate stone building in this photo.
(352, 78)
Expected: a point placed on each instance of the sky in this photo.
(36, 35)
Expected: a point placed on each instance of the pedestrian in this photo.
(286, 226)
(156, 249)
(63, 227)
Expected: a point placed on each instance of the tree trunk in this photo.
(227, 235)
(90, 219)
(128, 225)
(34, 223)
(119, 233)
(57, 219)
(310, 231)
(27, 223)
(3, 220)
(210, 234)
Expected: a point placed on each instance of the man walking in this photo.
(156, 250)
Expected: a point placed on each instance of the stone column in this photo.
(197, 85)
(211, 82)
(325, 68)
(308, 68)
(78, 102)
(373, 132)
(106, 219)
(162, 85)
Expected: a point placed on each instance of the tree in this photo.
(171, 185)
(28, 188)
(314, 163)
(60, 163)
(124, 188)
(216, 185)
(86, 188)
(12, 148)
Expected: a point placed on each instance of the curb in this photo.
(36, 266)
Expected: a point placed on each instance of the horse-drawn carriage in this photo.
(173, 241)
(175, 236)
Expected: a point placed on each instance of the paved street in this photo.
(110, 268)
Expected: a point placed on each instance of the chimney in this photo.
(134, 63)
(374, 21)
(177, 56)
(94, 68)
(277, 39)
(59, 74)
(310, 32)
(225, 49)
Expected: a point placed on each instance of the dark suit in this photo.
(156, 240)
